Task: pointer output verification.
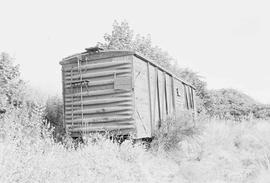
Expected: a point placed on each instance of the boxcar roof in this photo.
(118, 53)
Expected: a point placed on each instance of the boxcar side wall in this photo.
(98, 94)
(158, 96)
(154, 97)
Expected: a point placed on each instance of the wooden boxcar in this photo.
(121, 91)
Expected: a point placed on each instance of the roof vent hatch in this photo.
(92, 50)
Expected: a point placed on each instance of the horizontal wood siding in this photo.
(98, 94)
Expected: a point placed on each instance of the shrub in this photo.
(54, 116)
(173, 131)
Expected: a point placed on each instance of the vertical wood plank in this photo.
(161, 93)
(153, 86)
(194, 109)
(191, 98)
(169, 94)
(149, 96)
(186, 97)
(166, 96)
(158, 97)
(154, 99)
(173, 96)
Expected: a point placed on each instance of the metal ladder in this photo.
(79, 60)
(72, 92)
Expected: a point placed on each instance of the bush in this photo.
(54, 116)
(173, 131)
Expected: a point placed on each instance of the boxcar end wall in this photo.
(120, 91)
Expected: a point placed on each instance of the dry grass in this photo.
(220, 151)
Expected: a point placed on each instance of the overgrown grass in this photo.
(216, 151)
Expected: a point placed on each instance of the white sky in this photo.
(227, 42)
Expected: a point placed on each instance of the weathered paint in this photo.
(121, 91)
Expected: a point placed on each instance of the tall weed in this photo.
(214, 151)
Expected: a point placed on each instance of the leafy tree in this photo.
(17, 99)
(21, 113)
(231, 104)
(122, 38)
(261, 111)
(143, 45)
(8, 71)
(14, 92)
(10, 83)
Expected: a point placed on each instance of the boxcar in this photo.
(120, 91)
